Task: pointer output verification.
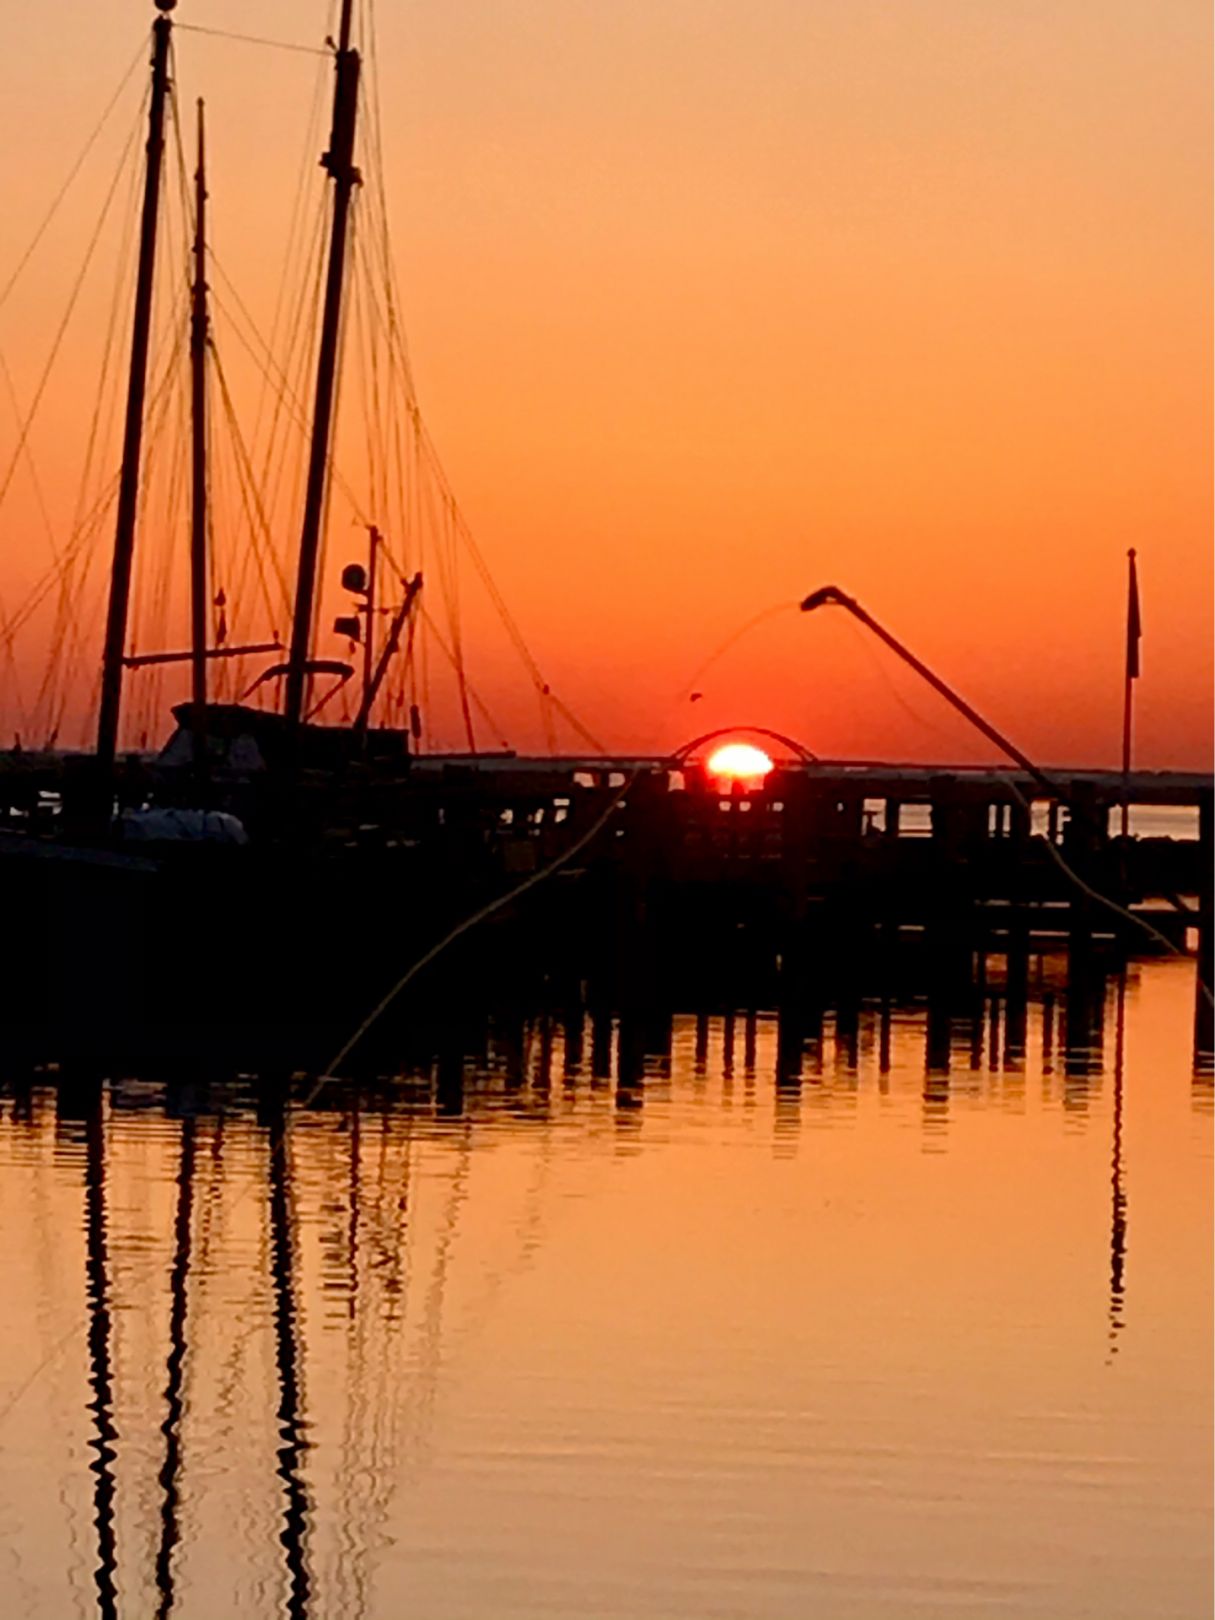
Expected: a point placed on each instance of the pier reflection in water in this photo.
(863, 1308)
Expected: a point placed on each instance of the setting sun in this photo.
(741, 760)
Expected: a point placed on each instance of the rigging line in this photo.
(241, 554)
(546, 722)
(71, 175)
(465, 533)
(423, 662)
(301, 336)
(482, 567)
(573, 720)
(461, 527)
(368, 378)
(735, 636)
(156, 404)
(39, 496)
(450, 581)
(100, 424)
(498, 731)
(387, 386)
(373, 385)
(449, 653)
(159, 399)
(295, 228)
(158, 570)
(74, 650)
(879, 665)
(398, 464)
(282, 387)
(183, 185)
(392, 290)
(67, 620)
(1104, 899)
(288, 393)
(252, 39)
(294, 301)
(231, 569)
(247, 480)
(396, 349)
(379, 270)
(47, 581)
(396, 342)
(149, 468)
(63, 325)
(253, 553)
(40, 501)
(464, 927)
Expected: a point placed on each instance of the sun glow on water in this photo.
(741, 761)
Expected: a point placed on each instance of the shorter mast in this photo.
(199, 335)
(372, 689)
(132, 439)
(373, 558)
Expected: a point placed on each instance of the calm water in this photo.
(877, 1343)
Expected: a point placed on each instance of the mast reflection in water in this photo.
(627, 1309)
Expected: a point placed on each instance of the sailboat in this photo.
(146, 919)
(235, 740)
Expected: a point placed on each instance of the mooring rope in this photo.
(530, 882)
(1111, 904)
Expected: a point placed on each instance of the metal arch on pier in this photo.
(803, 753)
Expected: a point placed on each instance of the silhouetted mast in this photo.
(338, 160)
(199, 332)
(128, 487)
(373, 558)
(371, 689)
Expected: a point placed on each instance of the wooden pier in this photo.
(828, 868)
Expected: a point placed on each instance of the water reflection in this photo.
(1118, 1207)
(170, 1473)
(422, 1309)
(101, 1406)
(296, 1510)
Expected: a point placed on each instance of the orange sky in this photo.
(711, 304)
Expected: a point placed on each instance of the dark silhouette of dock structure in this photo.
(816, 865)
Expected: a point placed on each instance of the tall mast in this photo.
(338, 160)
(128, 487)
(198, 422)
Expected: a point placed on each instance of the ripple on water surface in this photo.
(916, 1324)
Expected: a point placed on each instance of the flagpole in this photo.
(1132, 670)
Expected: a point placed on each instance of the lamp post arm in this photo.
(831, 595)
